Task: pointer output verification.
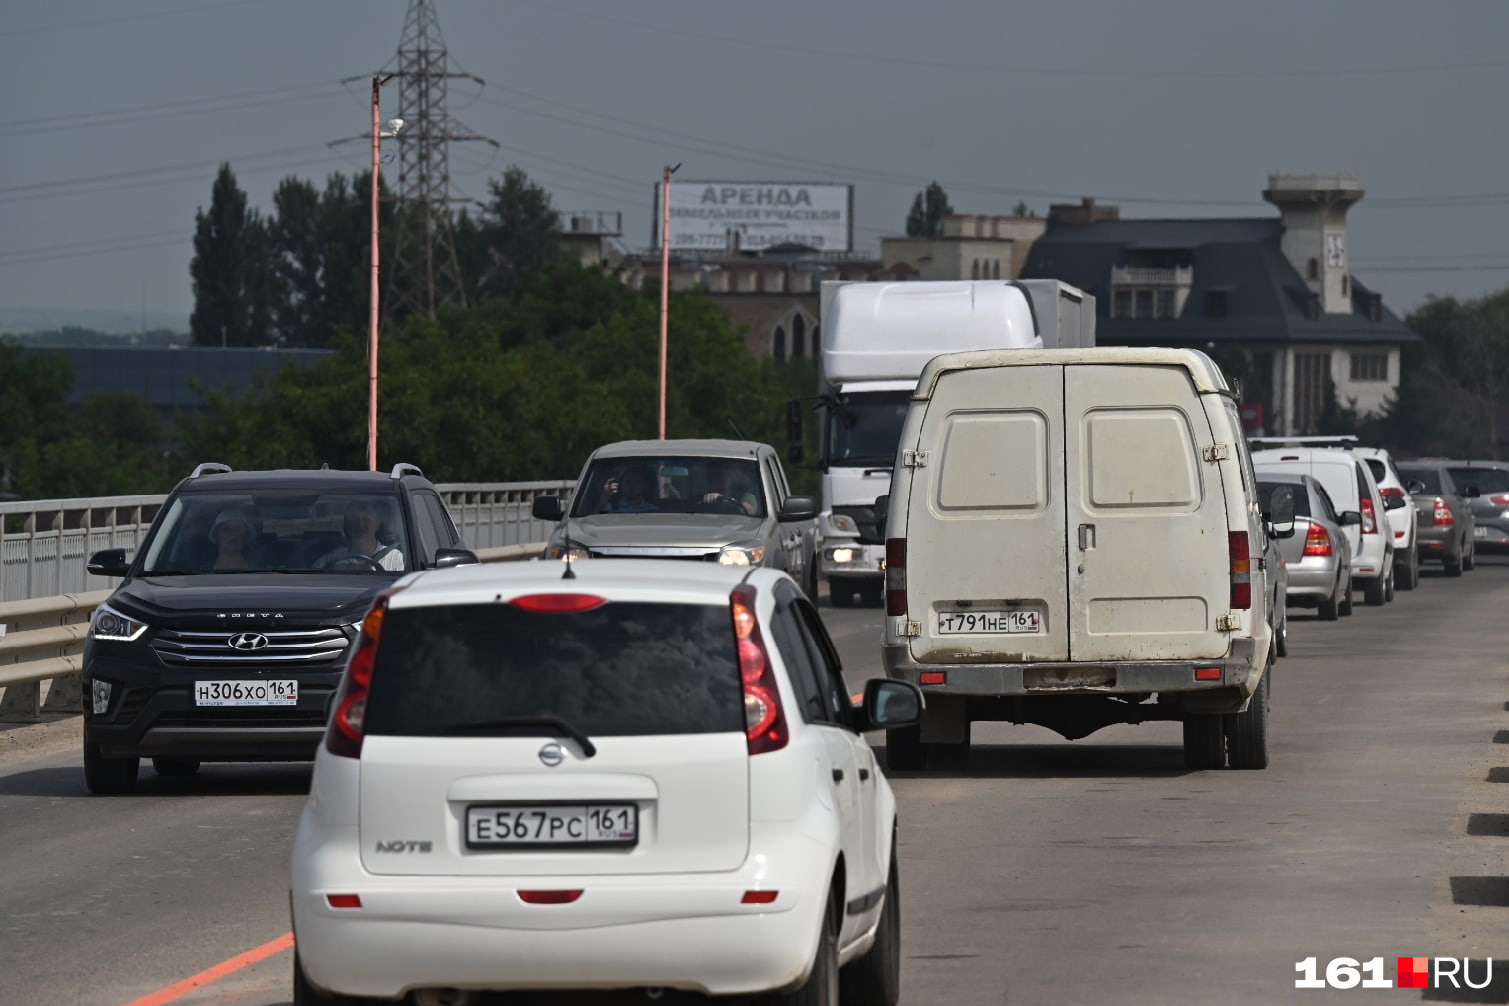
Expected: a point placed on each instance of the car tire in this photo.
(1344, 605)
(841, 594)
(904, 751)
(1388, 585)
(175, 766)
(305, 994)
(1453, 566)
(1470, 555)
(1247, 731)
(1375, 593)
(1204, 742)
(1330, 608)
(821, 987)
(875, 978)
(1281, 637)
(108, 776)
(1408, 573)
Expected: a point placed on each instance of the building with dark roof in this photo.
(1271, 298)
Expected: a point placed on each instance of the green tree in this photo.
(231, 270)
(297, 252)
(514, 240)
(1463, 373)
(928, 210)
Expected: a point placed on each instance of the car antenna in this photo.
(737, 432)
(570, 574)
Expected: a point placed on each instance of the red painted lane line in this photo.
(216, 973)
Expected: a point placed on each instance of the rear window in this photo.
(1488, 480)
(1429, 476)
(623, 669)
(1301, 498)
(1379, 470)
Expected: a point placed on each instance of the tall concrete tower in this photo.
(1314, 212)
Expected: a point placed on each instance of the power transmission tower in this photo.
(425, 272)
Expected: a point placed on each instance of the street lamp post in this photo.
(394, 125)
(665, 282)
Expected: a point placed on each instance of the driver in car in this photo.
(363, 549)
(724, 487)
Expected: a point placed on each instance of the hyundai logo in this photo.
(552, 755)
(248, 641)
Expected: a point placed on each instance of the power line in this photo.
(195, 9)
(205, 106)
(1015, 67)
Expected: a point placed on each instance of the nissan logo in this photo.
(552, 755)
(248, 641)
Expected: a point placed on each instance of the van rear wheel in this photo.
(1204, 741)
(1375, 592)
(1247, 731)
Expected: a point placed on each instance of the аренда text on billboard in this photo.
(765, 214)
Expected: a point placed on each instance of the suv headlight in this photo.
(558, 550)
(107, 623)
(749, 553)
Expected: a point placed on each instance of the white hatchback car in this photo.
(622, 775)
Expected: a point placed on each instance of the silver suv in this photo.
(724, 501)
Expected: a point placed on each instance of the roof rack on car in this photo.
(404, 468)
(1340, 440)
(209, 468)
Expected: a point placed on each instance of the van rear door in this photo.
(1065, 513)
(1150, 567)
(985, 523)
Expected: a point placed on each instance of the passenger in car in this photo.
(630, 493)
(363, 527)
(233, 532)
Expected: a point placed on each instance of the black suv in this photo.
(226, 640)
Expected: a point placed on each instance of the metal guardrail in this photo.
(42, 639)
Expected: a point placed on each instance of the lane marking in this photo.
(214, 974)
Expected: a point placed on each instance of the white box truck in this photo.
(876, 338)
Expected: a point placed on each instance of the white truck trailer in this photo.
(876, 338)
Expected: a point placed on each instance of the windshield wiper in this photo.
(588, 748)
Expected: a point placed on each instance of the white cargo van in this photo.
(1074, 540)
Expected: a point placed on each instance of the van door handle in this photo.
(1086, 537)
(864, 775)
(838, 775)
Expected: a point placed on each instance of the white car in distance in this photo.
(608, 775)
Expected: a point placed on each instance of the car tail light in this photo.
(1241, 569)
(344, 734)
(895, 576)
(558, 603)
(1499, 499)
(1441, 513)
(1318, 541)
(1369, 518)
(1390, 492)
(764, 722)
(759, 897)
(343, 900)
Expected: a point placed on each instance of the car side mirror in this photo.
(1349, 517)
(882, 510)
(547, 508)
(1280, 515)
(447, 557)
(110, 562)
(794, 508)
(1414, 487)
(890, 704)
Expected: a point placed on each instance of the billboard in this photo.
(765, 214)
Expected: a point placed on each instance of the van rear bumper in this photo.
(1238, 678)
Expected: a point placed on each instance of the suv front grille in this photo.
(298, 647)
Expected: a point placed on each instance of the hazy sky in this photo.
(119, 111)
